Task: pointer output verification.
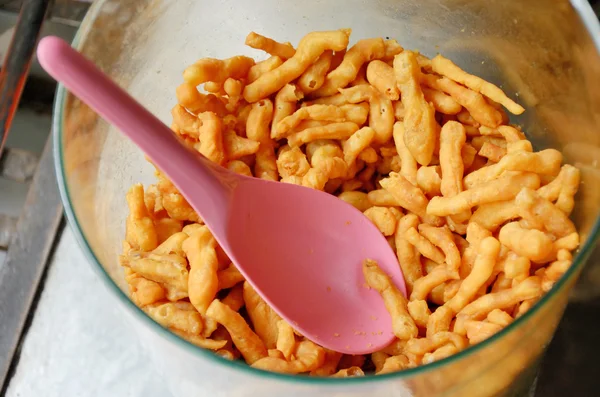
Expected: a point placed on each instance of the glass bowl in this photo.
(542, 53)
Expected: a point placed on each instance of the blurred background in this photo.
(60, 331)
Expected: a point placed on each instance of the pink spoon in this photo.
(301, 249)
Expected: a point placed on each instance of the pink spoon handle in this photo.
(185, 167)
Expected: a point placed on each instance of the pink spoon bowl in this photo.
(301, 249)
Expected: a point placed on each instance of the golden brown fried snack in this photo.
(478, 220)
(420, 127)
(309, 50)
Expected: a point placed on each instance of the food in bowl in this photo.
(479, 220)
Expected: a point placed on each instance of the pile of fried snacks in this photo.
(480, 222)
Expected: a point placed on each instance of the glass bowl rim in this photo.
(590, 21)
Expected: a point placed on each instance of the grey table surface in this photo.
(78, 345)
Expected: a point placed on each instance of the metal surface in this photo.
(8, 226)
(18, 165)
(18, 60)
(68, 12)
(27, 257)
(571, 366)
